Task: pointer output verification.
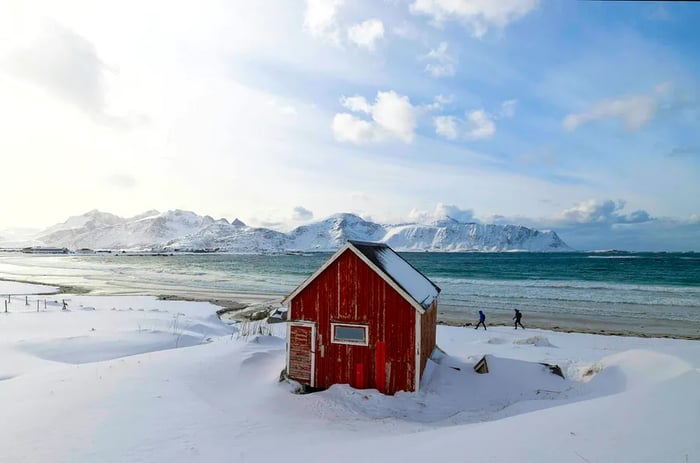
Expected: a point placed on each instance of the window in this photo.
(349, 334)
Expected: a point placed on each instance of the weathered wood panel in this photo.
(300, 353)
(349, 291)
(428, 327)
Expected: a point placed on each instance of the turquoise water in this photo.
(629, 285)
(623, 285)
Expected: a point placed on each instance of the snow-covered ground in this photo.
(135, 379)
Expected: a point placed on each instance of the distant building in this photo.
(45, 250)
(366, 318)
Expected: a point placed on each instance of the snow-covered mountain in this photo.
(100, 230)
(186, 231)
(233, 237)
(332, 233)
(453, 236)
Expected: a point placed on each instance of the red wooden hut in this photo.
(366, 318)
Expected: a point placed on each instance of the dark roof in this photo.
(405, 275)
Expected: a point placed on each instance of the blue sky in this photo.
(582, 117)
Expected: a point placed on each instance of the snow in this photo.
(185, 230)
(126, 378)
(99, 230)
(453, 236)
(410, 279)
(20, 289)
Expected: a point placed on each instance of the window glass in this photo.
(350, 333)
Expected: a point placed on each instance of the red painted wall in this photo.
(350, 291)
(428, 327)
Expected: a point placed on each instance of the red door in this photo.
(301, 360)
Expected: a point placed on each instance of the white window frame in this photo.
(350, 342)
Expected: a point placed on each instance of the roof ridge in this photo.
(369, 243)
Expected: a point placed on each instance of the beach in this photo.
(568, 323)
(451, 316)
(232, 282)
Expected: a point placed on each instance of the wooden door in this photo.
(301, 361)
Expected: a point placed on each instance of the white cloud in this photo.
(356, 103)
(454, 212)
(420, 216)
(395, 114)
(288, 109)
(285, 109)
(347, 127)
(480, 15)
(442, 64)
(480, 125)
(607, 211)
(508, 108)
(367, 33)
(409, 31)
(301, 213)
(442, 211)
(443, 100)
(634, 111)
(446, 126)
(68, 67)
(438, 103)
(394, 117)
(320, 19)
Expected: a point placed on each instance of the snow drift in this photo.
(110, 380)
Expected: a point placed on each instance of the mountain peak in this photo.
(185, 230)
(145, 215)
(344, 215)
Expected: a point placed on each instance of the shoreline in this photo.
(668, 329)
(237, 303)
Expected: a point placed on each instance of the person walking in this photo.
(482, 320)
(517, 318)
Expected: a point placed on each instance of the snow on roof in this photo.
(417, 285)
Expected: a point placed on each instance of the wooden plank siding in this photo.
(349, 291)
(428, 327)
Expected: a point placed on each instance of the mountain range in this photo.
(186, 231)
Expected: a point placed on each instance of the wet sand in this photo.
(568, 323)
(572, 323)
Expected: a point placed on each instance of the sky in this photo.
(580, 116)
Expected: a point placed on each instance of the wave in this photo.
(614, 257)
(569, 284)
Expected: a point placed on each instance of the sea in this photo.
(620, 285)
